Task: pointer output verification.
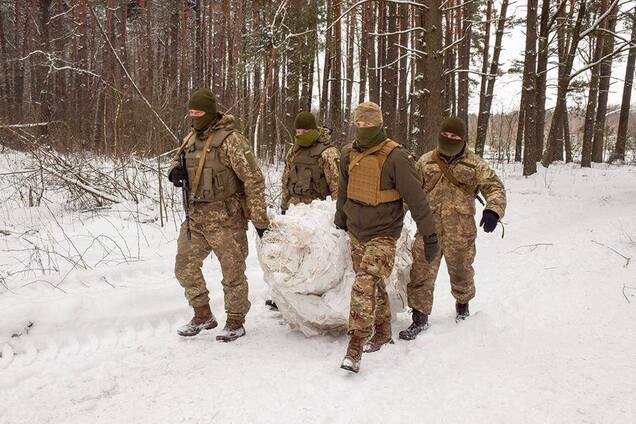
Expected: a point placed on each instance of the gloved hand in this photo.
(283, 211)
(261, 232)
(178, 176)
(431, 247)
(489, 220)
(342, 227)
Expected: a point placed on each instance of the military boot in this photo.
(419, 324)
(203, 320)
(351, 361)
(462, 311)
(381, 336)
(231, 332)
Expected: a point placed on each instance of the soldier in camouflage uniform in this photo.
(452, 176)
(226, 191)
(377, 175)
(311, 168)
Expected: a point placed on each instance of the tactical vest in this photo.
(210, 180)
(365, 174)
(306, 176)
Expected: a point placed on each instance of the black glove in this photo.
(489, 220)
(283, 211)
(261, 232)
(178, 176)
(431, 247)
(342, 227)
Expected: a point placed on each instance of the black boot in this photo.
(271, 305)
(420, 323)
(462, 311)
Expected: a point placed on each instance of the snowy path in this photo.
(551, 340)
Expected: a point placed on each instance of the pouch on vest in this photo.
(211, 179)
(306, 177)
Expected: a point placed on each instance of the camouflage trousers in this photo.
(459, 253)
(372, 262)
(224, 233)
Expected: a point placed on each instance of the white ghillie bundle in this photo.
(307, 264)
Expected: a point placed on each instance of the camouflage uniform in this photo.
(328, 162)
(454, 210)
(372, 263)
(220, 227)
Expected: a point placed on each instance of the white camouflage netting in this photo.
(306, 262)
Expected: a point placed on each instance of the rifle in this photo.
(185, 193)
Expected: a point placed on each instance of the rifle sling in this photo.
(449, 175)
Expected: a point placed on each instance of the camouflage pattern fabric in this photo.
(372, 262)
(459, 254)
(218, 228)
(454, 212)
(237, 154)
(329, 161)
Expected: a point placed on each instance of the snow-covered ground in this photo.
(551, 339)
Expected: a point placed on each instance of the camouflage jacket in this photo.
(237, 154)
(328, 161)
(473, 173)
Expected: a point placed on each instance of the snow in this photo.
(306, 262)
(551, 338)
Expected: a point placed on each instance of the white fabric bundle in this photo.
(306, 262)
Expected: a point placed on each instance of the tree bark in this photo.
(623, 121)
(529, 87)
(598, 142)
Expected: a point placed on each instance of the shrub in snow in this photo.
(306, 262)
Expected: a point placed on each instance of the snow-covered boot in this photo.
(351, 361)
(419, 324)
(231, 332)
(462, 311)
(381, 336)
(271, 305)
(203, 320)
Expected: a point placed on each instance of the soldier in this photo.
(376, 176)
(227, 189)
(311, 168)
(452, 176)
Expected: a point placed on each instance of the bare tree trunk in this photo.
(529, 87)
(598, 142)
(401, 124)
(463, 93)
(592, 99)
(372, 50)
(488, 83)
(623, 121)
(429, 86)
(363, 55)
(565, 69)
(542, 74)
(389, 74)
(336, 80)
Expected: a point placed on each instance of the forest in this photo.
(113, 77)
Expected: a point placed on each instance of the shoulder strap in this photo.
(449, 176)
(359, 156)
(187, 142)
(197, 176)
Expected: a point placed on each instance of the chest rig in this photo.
(210, 179)
(306, 176)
